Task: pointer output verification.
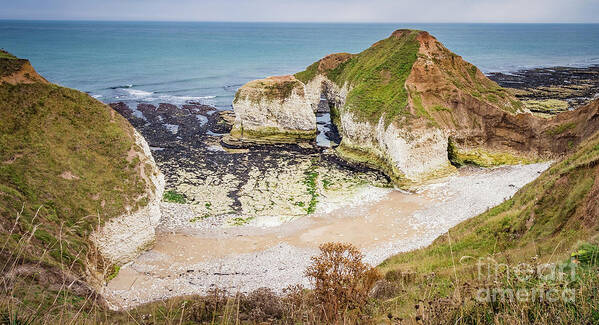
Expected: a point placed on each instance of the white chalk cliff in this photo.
(274, 109)
(122, 238)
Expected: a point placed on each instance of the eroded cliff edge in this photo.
(411, 108)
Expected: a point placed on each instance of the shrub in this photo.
(341, 280)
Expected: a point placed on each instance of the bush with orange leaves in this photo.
(342, 282)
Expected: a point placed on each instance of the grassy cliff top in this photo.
(376, 76)
(5, 55)
(66, 154)
(270, 89)
(9, 64)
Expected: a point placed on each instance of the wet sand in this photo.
(244, 258)
(385, 218)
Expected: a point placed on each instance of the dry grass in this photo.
(37, 294)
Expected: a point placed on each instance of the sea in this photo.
(179, 62)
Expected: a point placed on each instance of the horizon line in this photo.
(293, 22)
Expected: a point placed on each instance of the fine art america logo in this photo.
(524, 282)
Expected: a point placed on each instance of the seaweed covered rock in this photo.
(273, 110)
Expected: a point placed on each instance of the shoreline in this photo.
(550, 90)
(509, 78)
(216, 179)
(247, 258)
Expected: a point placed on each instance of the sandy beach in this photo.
(273, 252)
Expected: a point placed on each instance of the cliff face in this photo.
(122, 238)
(273, 110)
(395, 103)
(410, 107)
(550, 219)
(75, 177)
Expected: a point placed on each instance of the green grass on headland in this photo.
(376, 77)
(6, 55)
(173, 197)
(64, 153)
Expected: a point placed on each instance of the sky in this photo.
(523, 11)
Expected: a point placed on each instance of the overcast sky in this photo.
(307, 10)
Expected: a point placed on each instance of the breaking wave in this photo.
(149, 96)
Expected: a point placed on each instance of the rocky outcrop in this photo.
(411, 108)
(404, 90)
(122, 238)
(273, 110)
(408, 157)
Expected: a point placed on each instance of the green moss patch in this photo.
(240, 221)
(281, 90)
(115, 272)
(372, 160)
(199, 218)
(440, 108)
(483, 158)
(549, 106)
(557, 130)
(6, 55)
(269, 90)
(310, 182)
(173, 197)
(308, 74)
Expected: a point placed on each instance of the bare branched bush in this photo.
(342, 282)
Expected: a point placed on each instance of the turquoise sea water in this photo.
(176, 62)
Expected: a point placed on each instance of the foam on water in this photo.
(151, 97)
(137, 93)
